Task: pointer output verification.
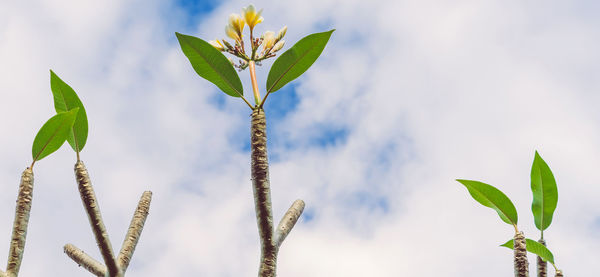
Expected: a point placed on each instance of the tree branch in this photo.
(262, 193)
(542, 266)
(88, 197)
(521, 263)
(288, 221)
(19, 235)
(84, 260)
(134, 231)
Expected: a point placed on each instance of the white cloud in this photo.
(425, 92)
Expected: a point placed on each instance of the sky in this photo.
(407, 97)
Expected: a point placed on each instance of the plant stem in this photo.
(134, 231)
(88, 197)
(288, 221)
(19, 235)
(262, 193)
(559, 273)
(520, 250)
(542, 266)
(252, 68)
(84, 260)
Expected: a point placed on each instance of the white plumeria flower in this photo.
(251, 16)
(235, 27)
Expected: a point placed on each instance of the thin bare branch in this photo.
(288, 221)
(134, 231)
(262, 193)
(84, 260)
(93, 211)
(19, 235)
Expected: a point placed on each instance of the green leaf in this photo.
(211, 64)
(535, 248)
(545, 193)
(492, 197)
(53, 134)
(65, 99)
(296, 60)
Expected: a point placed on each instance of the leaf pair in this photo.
(543, 187)
(545, 198)
(213, 66)
(70, 124)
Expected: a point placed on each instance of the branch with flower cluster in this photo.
(208, 61)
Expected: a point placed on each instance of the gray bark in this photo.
(85, 261)
(19, 234)
(134, 232)
(520, 249)
(542, 267)
(262, 193)
(88, 197)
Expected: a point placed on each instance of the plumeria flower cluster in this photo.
(270, 42)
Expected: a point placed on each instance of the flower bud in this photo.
(281, 33)
(216, 44)
(278, 46)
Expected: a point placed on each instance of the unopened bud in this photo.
(227, 45)
(278, 46)
(281, 33)
(216, 44)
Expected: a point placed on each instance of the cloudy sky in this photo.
(406, 97)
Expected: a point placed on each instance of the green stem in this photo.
(251, 66)
(19, 235)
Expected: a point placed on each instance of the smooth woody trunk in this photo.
(521, 263)
(542, 267)
(262, 193)
(19, 235)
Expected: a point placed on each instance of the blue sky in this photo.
(407, 97)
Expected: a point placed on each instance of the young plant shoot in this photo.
(66, 99)
(209, 62)
(492, 197)
(545, 198)
(50, 138)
